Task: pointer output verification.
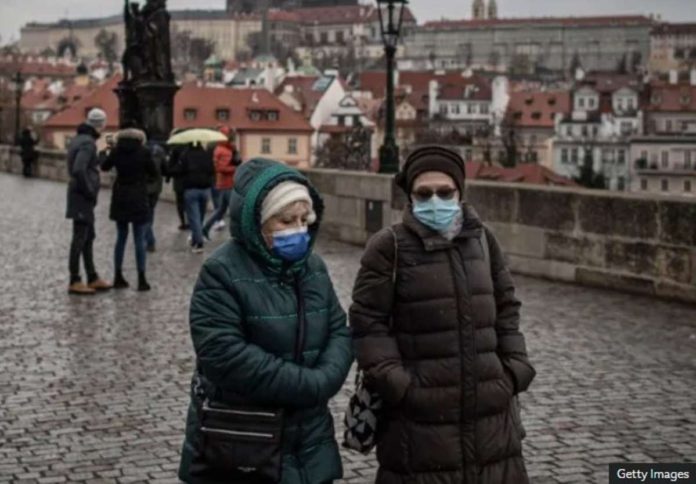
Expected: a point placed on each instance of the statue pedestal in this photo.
(128, 113)
(156, 108)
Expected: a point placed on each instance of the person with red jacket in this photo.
(226, 159)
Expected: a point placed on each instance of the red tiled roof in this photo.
(37, 68)
(565, 21)
(419, 81)
(537, 109)
(206, 100)
(529, 173)
(40, 98)
(475, 89)
(344, 14)
(303, 92)
(675, 29)
(666, 97)
(276, 15)
(609, 82)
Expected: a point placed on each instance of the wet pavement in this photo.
(95, 389)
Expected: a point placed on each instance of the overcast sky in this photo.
(15, 13)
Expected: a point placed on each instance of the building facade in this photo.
(598, 43)
(664, 165)
(673, 47)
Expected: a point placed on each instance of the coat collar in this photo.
(432, 240)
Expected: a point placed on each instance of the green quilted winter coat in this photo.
(243, 321)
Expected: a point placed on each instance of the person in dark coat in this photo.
(83, 190)
(436, 330)
(174, 173)
(198, 174)
(244, 317)
(28, 153)
(154, 189)
(130, 203)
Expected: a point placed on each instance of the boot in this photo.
(99, 285)
(81, 289)
(142, 282)
(120, 282)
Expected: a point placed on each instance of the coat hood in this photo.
(130, 139)
(252, 182)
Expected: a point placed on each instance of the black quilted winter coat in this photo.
(444, 350)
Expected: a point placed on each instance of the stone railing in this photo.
(643, 244)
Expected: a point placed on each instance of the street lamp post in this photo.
(390, 26)
(19, 88)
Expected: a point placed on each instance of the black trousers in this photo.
(81, 246)
(180, 206)
(28, 167)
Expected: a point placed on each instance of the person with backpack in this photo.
(226, 159)
(271, 341)
(436, 330)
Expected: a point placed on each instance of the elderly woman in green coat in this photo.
(271, 341)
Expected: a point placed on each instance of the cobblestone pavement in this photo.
(95, 390)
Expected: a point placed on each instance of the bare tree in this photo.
(107, 43)
(348, 151)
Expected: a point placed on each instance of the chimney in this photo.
(673, 76)
(692, 77)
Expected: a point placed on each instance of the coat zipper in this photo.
(237, 433)
(238, 412)
(459, 257)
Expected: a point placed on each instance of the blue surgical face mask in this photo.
(291, 244)
(436, 213)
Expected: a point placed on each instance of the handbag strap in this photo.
(301, 333)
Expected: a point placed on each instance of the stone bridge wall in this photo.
(642, 244)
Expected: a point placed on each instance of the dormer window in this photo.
(656, 99)
(190, 114)
(273, 115)
(222, 114)
(255, 115)
(685, 100)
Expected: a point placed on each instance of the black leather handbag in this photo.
(243, 443)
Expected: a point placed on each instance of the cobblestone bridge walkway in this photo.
(95, 390)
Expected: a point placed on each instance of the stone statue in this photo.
(134, 55)
(157, 42)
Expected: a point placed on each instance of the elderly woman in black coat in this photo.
(129, 199)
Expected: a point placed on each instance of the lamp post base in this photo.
(389, 158)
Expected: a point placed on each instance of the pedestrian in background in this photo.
(83, 191)
(154, 189)
(174, 173)
(28, 153)
(436, 329)
(271, 341)
(226, 158)
(130, 202)
(198, 176)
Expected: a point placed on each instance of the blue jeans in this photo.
(140, 245)
(220, 210)
(196, 200)
(215, 195)
(150, 233)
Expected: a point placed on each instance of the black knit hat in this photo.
(432, 158)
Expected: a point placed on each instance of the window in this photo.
(643, 184)
(292, 146)
(644, 155)
(265, 145)
(621, 183)
(584, 130)
(443, 109)
(324, 38)
(273, 115)
(595, 130)
(454, 108)
(621, 160)
(339, 37)
(665, 185)
(668, 125)
(222, 114)
(574, 156)
(471, 108)
(581, 102)
(687, 159)
(591, 103)
(626, 128)
(665, 159)
(255, 115)
(67, 141)
(484, 108)
(190, 114)
(569, 131)
(687, 186)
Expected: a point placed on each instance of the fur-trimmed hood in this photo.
(131, 133)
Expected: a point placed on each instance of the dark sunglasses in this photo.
(425, 194)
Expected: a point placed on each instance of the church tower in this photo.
(492, 9)
(478, 10)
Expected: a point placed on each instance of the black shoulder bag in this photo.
(244, 443)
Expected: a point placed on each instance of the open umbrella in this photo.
(197, 136)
